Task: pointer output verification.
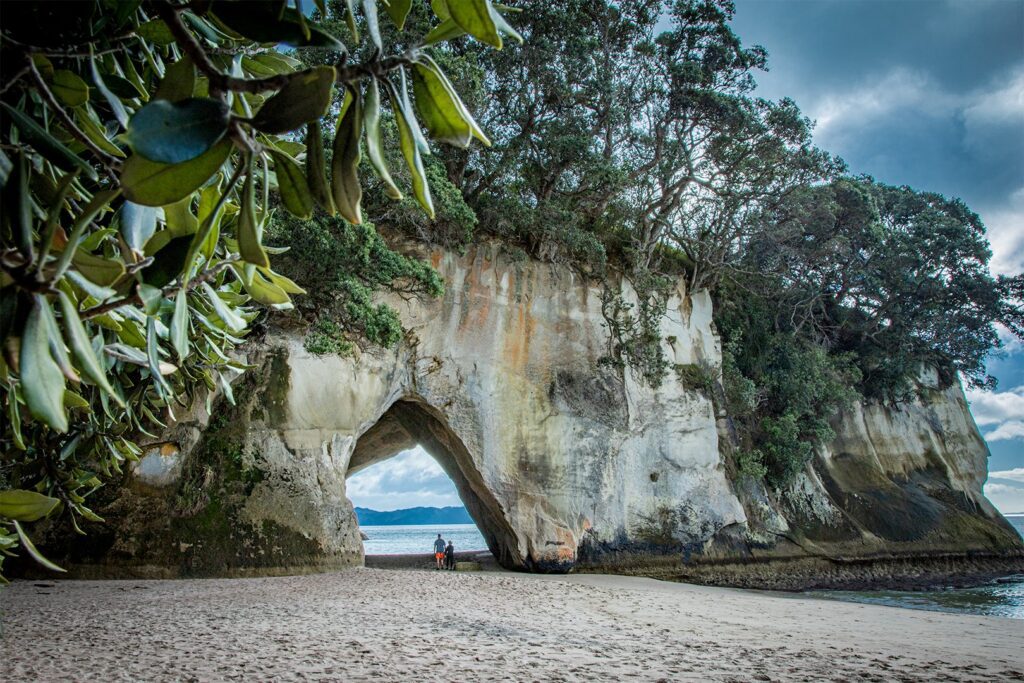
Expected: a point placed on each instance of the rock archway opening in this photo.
(409, 424)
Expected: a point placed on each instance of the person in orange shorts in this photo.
(439, 551)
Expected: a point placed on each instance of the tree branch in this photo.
(377, 68)
(135, 299)
(110, 164)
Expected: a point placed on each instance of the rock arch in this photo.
(409, 422)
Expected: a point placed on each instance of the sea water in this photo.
(1002, 597)
(419, 538)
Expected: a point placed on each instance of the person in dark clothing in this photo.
(439, 551)
(449, 556)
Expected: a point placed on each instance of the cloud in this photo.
(1003, 410)
(925, 94)
(1007, 496)
(1004, 223)
(845, 113)
(1006, 431)
(996, 408)
(1016, 474)
(410, 479)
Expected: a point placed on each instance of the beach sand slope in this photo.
(394, 625)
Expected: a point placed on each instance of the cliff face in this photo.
(563, 462)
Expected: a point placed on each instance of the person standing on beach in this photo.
(449, 556)
(439, 551)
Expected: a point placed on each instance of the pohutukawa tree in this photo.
(144, 147)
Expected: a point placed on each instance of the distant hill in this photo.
(448, 515)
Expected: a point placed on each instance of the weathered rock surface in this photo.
(564, 462)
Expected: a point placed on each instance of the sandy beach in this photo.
(399, 625)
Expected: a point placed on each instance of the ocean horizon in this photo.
(406, 539)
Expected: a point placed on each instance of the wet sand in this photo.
(400, 625)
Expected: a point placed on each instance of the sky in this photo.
(928, 93)
(410, 479)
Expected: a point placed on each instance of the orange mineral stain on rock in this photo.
(518, 337)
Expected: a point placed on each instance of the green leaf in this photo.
(446, 84)
(306, 97)
(154, 184)
(47, 145)
(14, 413)
(263, 290)
(156, 31)
(446, 30)
(96, 238)
(90, 288)
(151, 297)
(276, 63)
(211, 211)
(234, 322)
(157, 370)
(345, 164)
(44, 65)
(179, 81)
(41, 379)
(283, 282)
(372, 22)
(26, 506)
(411, 151)
(57, 206)
(270, 22)
(503, 26)
(291, 183)
(93, 131)
(316, 168)
(30, 547)
(138, 223)
(17, 206)
(113, 100)
(73, 401)
(82, 349)
(350, 19)
(180, 219)
(374, 148)
(69, 88)
(102, 271)
(441, 115)
(476, 17)
(440, 9)
(398, 10)
(179, 324)
(89, 514)
(56, 342)
(136, 80)
(175, 132)
(169, 262)
(97, 204)
(250, 229)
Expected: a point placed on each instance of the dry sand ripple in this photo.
(373, 624)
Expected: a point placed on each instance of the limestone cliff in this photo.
(563, 461)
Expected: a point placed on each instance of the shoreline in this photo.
(792, 575)
(374, 624)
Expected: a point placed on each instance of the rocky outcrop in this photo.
(563, 461)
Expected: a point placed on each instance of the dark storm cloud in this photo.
(825, 43)
(929, 93)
